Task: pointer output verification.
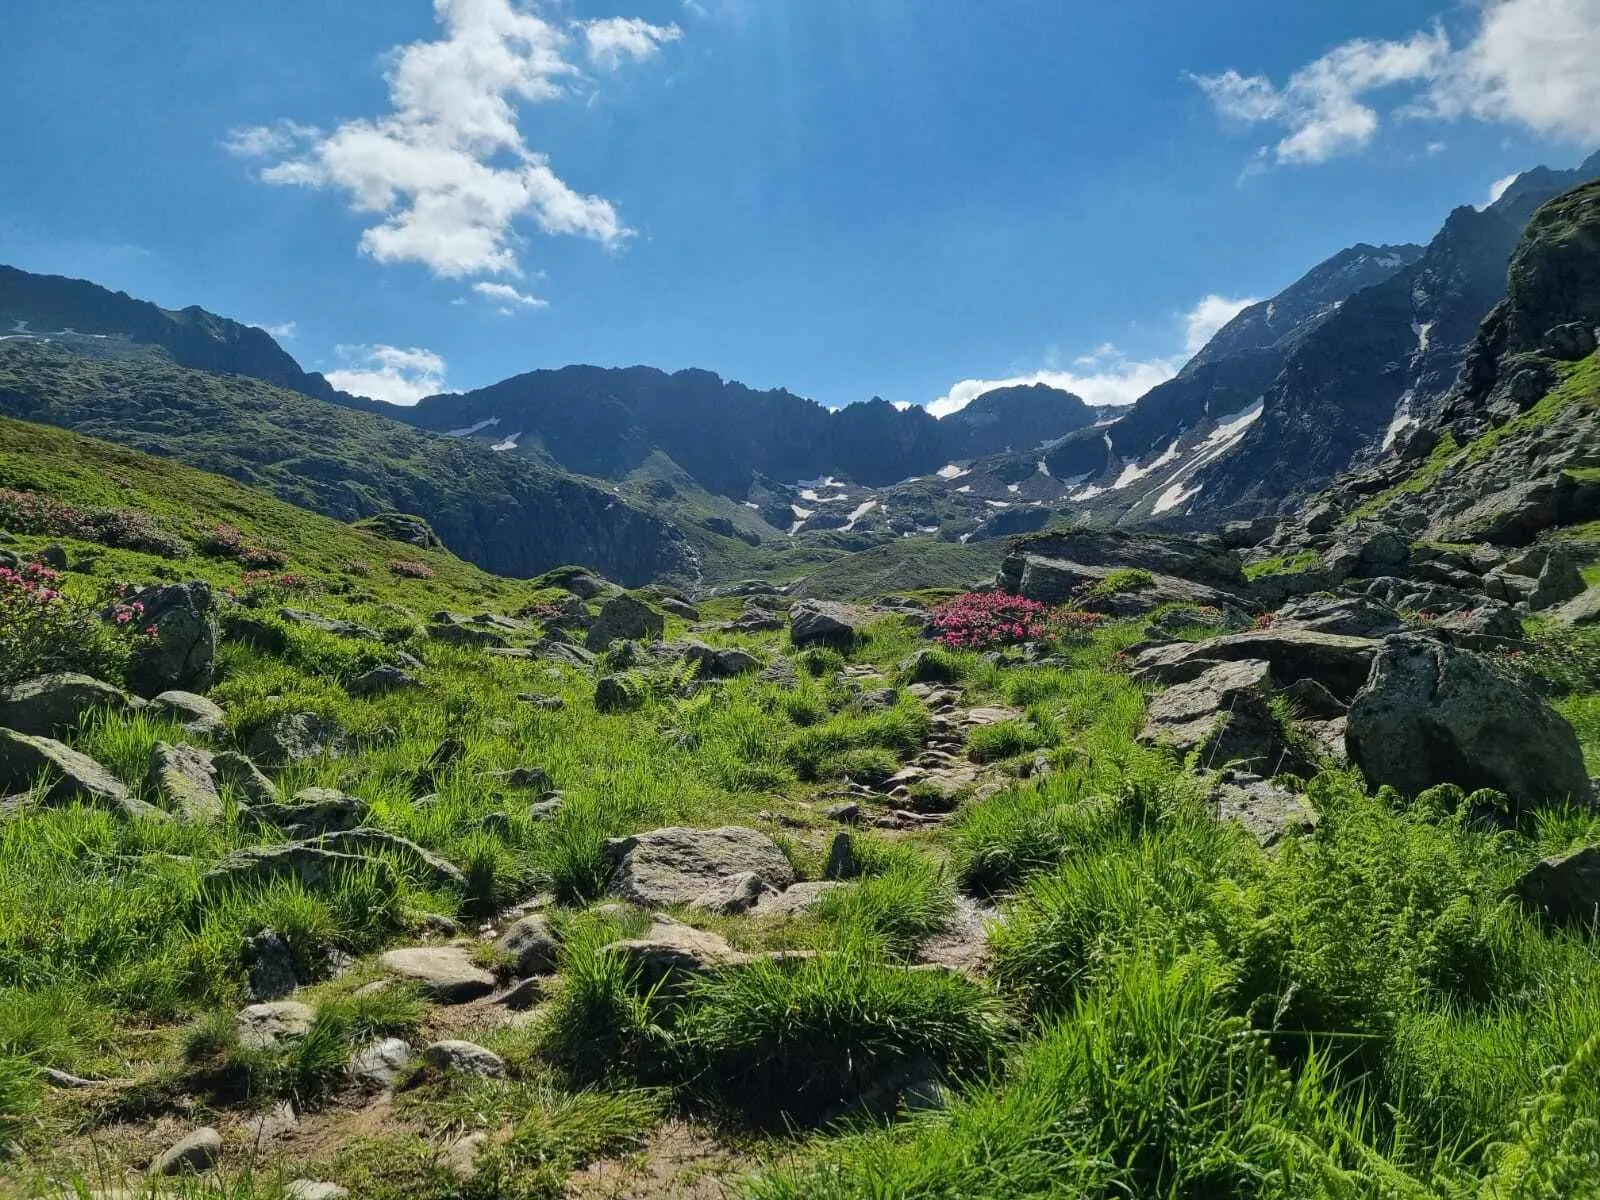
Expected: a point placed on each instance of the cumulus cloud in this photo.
(389, 373)
(1524, 62)
(615, 40)
(1108, 376)
(1202, 322)
(446, 172)
(508, 297)
(282, 331)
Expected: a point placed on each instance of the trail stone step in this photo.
(446, 974)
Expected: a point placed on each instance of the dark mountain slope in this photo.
(502, 512)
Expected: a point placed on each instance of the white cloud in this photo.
(282, 331)
(1202, 322)
(1500, 186)
(1526, 62)
(614, 40)
(508, 296)
(447, 171)
(390, 374)
(1109, 376)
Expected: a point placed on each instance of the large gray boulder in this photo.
(185, 781)
(1267, 812)
(292, 737)
(531, 945)
(197, 715)
(672, 951)
(200, 1151)
(68, 776)
(826, 623)
(1059, 581)
(1584, 610)
(624, 618)
(1565, 890)
(1338, 662)
(1350, 616)
(313, 867)
(181, 655)
(1432, 714)
(273, 1024)
(1224, 716)
(466, 1058)
(52, 705)
(443, 973)
(238, 772)
(679, 866)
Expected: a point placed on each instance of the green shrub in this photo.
(1002, 740)
(896, 908)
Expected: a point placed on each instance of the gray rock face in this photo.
(68, 776)
(733, 896)
(1268, 813)
(1353, 616)
(466, 1058)
(678, 865)
(532, 946)
(1432, 714)
(381, 680)
(456, 630)
(1201, 560)
(721, 662)
(238, 772)
(1565, 890)
(799, 899)
(269, 1026)
(380, 1064)
(314, 811)
(1570, 342)
(825, 623)
(185, 781)
(181, 656)
(436, 871)
(269, 966)
(338, 628)
(200, 1151)
(1339, 663)
(1585, 610)
(444, 973)
(52, 705)
(1059, 581)
(195, 713)
(672, 951)
(1224, 716)
(624, 618)
(314, 867)
(292, 737)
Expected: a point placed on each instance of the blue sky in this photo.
(846, 198)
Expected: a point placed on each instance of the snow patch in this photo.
(1088, 493)
(509, 443)
(998, 503)
(962, 491)
(803, 514)
(860, 511)
(1423, 332)
(1014, 488)
(1132, 472)
(1174, 496)
(952, 471)
(472, 429)
(1402, 418)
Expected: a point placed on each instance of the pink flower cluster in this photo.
(226, 541)
(985, 620)
(119, 528)
(44, 629)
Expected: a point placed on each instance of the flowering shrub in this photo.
(226, 541)
(119, 528)
(261, 587)
(356, 567)
(410, 569)
(546, 614)
(985, 620)
(42, 629)
(1071, 623)
(1263, 621)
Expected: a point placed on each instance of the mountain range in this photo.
(686, 476)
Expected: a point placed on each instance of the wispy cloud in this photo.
(1206, 319)
(1524, 62)
(282, 331)
(447, 171)
(1499, 188)
(507, 297)
(389, 373)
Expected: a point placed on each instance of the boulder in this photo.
(53, 705)
(312, 866)
(314, 812)
(433, 870)
(618, 693)
(197, 715)
(531, 945)
(443, 973)
(382, 680)
(1432, 714)
(269, 966)
(1368, 551)
(311, 620)
(678, 865)
(1199, 559)
(456, 630)
(1565, 889)
(1224, 717)
(185, 782)
(200, 1151)
(825, 623)
(243, 776)
(799, 899)
(314, 1189)
(1061, 581)
(1585, 610)
(293, 737)
(531, 778)
(272, 1025)
(1267, 812)
(464, 1058)
(1350, 616)
(1338, 662)
(380, 1064)
(670, 950)
(624, 618)
(1570, 342)
(181, 656)
(733, 896)
(69, 777)
(1241, 535)
(842, 862)
(716, 662)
